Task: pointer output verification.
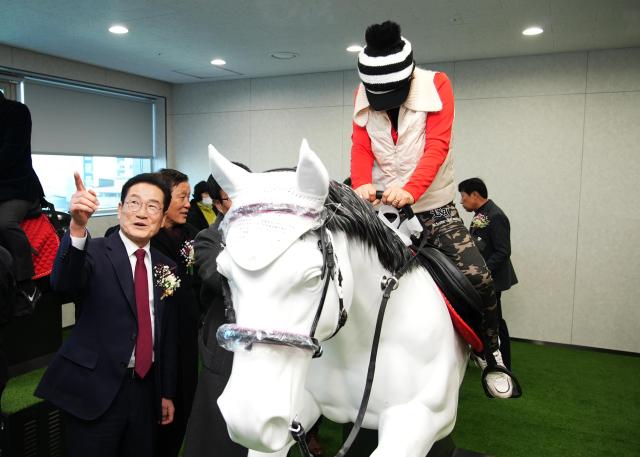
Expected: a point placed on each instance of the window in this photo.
(105, 175)
(106, 135)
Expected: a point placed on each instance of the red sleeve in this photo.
(437, 140)
(361, 157)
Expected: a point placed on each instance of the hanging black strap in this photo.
(297, 431)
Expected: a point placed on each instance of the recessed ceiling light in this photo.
(532, 31)
(118, 29)
(218, 62)
(354, 48)
(284, 55)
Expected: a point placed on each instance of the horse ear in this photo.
(230, 176)
(312, 176)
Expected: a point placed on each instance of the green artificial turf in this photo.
(19, 392)
(576, 403)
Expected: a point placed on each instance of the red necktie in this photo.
(144, 342)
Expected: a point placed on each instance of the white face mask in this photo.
(207, 201)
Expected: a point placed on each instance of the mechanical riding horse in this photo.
(301, 255)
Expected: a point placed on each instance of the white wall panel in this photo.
(299, 91)
(614, 70)
(276, 137)
(552, 74)
(228, 132)
(527, 149)
(606, 311)
(210, 97)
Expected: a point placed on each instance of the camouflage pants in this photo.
(446, 231)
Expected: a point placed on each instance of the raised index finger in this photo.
(78, 180)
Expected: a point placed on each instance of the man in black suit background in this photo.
(491, 233)
(114, 377)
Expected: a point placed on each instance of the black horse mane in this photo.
(348, 213)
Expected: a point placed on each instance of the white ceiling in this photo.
(174, 40)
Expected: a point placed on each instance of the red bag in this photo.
(44, 242)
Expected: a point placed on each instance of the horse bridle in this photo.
(232, 336)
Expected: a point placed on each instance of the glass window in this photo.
(105, 175)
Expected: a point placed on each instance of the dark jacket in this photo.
(494, 242)
(18, 181)
(171, 241)
(88, 370)
(195, 217)
(207, 429)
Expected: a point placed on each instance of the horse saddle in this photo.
(463, 301)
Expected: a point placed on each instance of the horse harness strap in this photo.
(330, 270)
(297, 430)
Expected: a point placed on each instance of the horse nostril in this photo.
(275, 433)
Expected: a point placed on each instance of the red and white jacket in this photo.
(417, 156)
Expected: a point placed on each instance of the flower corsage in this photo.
(166, 280)
(188, 255)
(480, 221)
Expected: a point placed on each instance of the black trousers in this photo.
(13, 238)
(126, 429)
(503, 332)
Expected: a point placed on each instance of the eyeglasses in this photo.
(223, 199)
(134, 206)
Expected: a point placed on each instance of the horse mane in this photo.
(348, 213)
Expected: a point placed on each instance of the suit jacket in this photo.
(491, 232)
(88, 370)
(18, 181)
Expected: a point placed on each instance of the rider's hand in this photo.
(397, 196)
(83, 204)
(367, 192)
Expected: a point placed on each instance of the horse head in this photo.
(277, 275)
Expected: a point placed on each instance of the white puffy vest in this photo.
(394, 163)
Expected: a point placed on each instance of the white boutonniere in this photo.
(166, 280)
(188, 255)
(480, 221)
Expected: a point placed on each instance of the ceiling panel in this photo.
(171, 40)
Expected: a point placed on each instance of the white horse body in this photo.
(420, 364)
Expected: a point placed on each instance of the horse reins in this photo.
(388, 285)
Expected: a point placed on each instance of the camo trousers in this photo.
(446, 231)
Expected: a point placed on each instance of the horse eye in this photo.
(311, 282)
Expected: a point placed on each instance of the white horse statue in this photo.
(287, 297)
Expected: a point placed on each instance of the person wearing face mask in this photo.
(201, 213)
(175, 240)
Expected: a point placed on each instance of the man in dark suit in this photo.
(114, 376)
(491, 233)
(20, 194)
(207, 430)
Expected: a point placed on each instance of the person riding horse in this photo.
(402, 123)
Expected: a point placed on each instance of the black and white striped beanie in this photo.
(385, 66)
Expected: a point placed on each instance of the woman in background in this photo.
(201, 213)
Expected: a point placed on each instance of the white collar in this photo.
(131, 247)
